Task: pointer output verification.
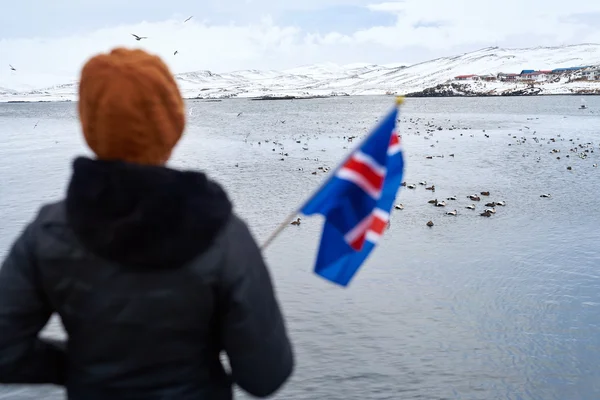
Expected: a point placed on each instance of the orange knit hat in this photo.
(130, 107)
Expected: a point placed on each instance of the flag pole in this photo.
(290, 218)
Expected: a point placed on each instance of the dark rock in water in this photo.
(274, 98)
(289, 97)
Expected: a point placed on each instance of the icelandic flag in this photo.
(356, 202)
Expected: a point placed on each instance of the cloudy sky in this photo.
(56, 37)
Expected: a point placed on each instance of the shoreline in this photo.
(478, 89)
(422, 96)
(419, 95)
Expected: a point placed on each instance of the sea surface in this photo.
(506, 307)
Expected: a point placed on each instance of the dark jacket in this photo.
(153, 276)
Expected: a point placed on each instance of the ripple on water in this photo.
(472, 308)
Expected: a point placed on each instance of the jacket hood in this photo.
(144, 216)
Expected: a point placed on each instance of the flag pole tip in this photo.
(399, 100)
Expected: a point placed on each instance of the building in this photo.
(527, 71)
(564, 70)
(592, 74)
(507, 77)
(487, 78)
(535, 76)
(465, 77)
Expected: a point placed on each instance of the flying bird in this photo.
(138, 37)
(190, 17)
(11, 67)
(175, 52)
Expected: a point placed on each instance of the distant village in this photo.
(530, 75)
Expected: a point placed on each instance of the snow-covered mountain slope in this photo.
(490, 60)
(355, 79)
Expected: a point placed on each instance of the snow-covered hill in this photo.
(355, 79)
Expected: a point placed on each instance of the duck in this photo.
(430, 224)
(485, 193)
(399, 207)
(486, 214)
(423, 183)
(474, 197)
(434, 201)
(490, 210)
(501, 203)
(296, 222)
(492, 204)
(471, 207)
(451, 198)
(432, 188)
(411, 186)
(452, 212)
(440, 204)
(545, 195)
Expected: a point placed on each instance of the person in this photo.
(151, 272)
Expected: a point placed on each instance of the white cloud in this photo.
(423, 29)
(474, 21)
(199, 46)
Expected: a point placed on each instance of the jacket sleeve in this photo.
(253, 331)
(24, 358)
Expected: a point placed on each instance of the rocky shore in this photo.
(482, 90)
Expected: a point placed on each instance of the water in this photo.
(506, 307)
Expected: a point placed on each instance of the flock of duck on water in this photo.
(427, 128)
(487, 212)
(490, 206)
